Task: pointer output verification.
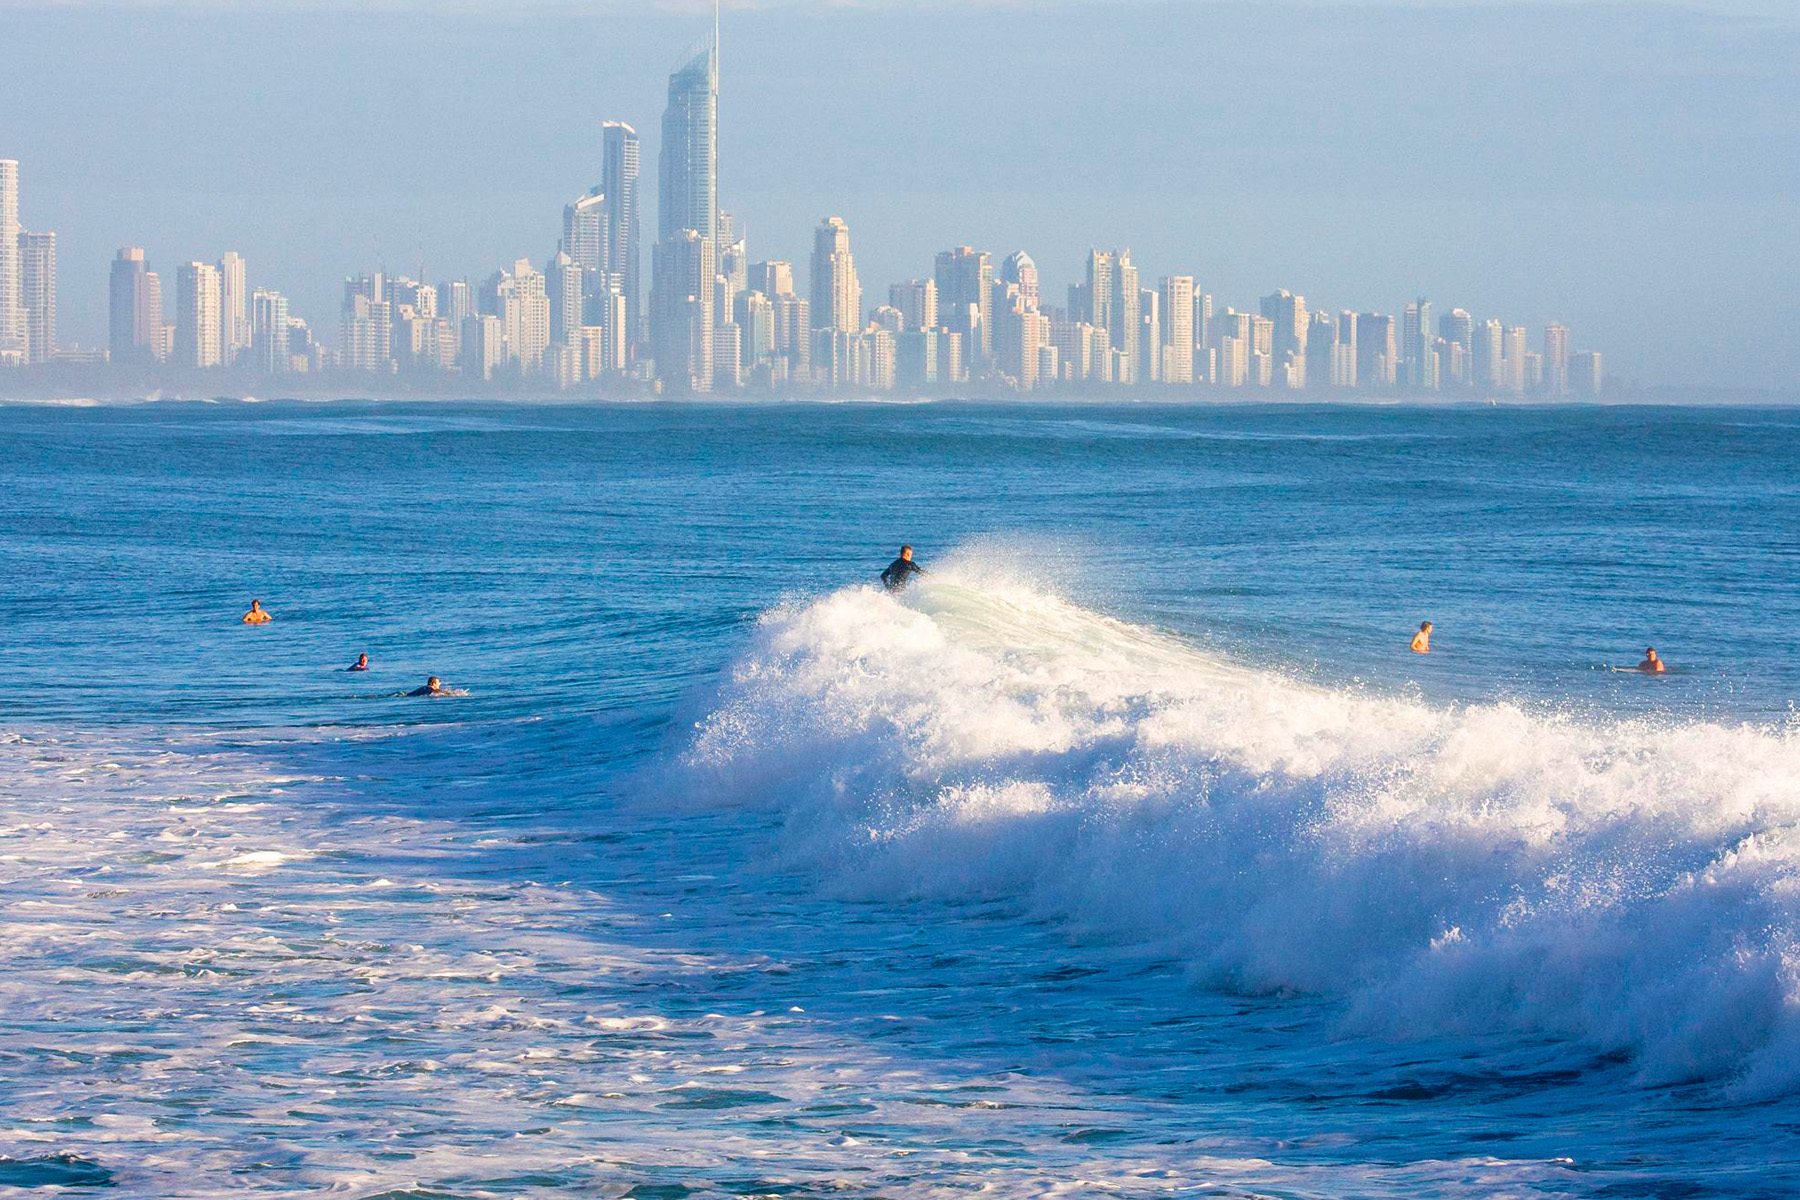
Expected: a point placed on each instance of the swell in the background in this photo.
(1633, 885)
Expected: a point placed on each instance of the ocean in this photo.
(1129, 854)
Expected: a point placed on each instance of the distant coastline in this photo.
(77, 389)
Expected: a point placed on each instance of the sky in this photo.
(1630, 169)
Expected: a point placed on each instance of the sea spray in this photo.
(1630, 885)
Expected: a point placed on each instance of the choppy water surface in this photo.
(1130, 855)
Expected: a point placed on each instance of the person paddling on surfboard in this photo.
(1652, 665)
(432, 688)
(901, 571)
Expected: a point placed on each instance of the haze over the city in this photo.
(1629, 170)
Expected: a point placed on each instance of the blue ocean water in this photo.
(1129, 854)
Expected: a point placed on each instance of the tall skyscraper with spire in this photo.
(681, 300)
(689, 178)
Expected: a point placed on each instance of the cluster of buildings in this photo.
(717, 323)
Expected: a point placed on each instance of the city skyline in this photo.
(892, 263)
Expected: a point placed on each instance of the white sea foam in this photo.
(1631, 885)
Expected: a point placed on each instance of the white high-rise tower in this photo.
(12, 309)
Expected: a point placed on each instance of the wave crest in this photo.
(1461, 869)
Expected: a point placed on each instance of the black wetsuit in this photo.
(426, 691)
(900, 573)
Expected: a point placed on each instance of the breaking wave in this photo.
(1452, 870)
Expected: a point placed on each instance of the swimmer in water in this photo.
(1421, 643)
(901, 571)
(258, 615)
(432, 688)
(1652, 665)
(361, 663)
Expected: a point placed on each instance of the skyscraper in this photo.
(1487, 362)
(1126, 329)
(689, 176)
(619, 182)
(1178, 329)
(1513, 359)
(965, 280)
(686, 256)
(525, 316)
(12, 312)
(1375, 351)
(1287, 350)
(130, 321)
(269, 331)
(234, 308)
(1020, 271)
(1418, 347)
(584, 236)
(1458, 328)
(1556, 360)
(37, 283)
(918, 304)
(197, 315)
(836, 292)
(681, 316)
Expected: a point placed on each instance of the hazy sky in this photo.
(1630, 169)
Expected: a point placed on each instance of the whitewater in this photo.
(1459, 868)
(1126, 854)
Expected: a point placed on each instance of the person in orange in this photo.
(1652, 665)
(1421, 643)
(258, 615)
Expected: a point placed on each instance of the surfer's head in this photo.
(432, 682)
(906, 553)
(1424, 626)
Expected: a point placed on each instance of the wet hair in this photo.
(904, 549)
(1424, 625)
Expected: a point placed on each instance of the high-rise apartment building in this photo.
(1487, 355)
(1556, 360)
(772, 279)
(1418, 347)
(1517, 369)
(1178, 329)
(683, 271)
(836, 292)
(1020, 271)
(1291, 328)
(918, 304)
(1126, 328)
(525, 316)
(565, 283)
(37, 294)
(584, 237)
(134, 330)
(1376, 351)
(269, 331)
(1457, 327)
(1587, 373)
(12, 310)
(965, 287)
(1321, 350)
(197, 304)
(619, 182)
(1346, 354)
(234, 308)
